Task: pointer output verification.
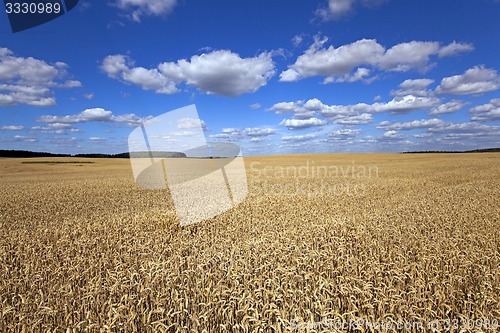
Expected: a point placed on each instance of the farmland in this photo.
(373, 237)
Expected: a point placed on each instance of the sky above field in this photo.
(273, 76)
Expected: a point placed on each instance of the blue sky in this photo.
(273, 76)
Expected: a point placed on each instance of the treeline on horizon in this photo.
(485, 150)
(26, 153)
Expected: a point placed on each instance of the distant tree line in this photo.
(486, 150)
(26, 153)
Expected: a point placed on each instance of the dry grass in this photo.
(82, 249)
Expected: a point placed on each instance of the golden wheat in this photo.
(82, 249)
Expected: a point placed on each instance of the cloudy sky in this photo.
(274, 76)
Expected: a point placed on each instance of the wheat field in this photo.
(379, 238)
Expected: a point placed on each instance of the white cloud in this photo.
(455, 48)
(149, 79)
(475, 80)
(302, 123)
(119, 67)
(94, 115)
(219, 72)
(96, 138)
(352, 62)
(298, 138)
(466, 133)
(29, 80)
(344, 134)
(359, 75)
(297, 40)
(470, 127)
(338, 9)
(340, 111)
(18, 138)
(221, 136)
(335, 10)
(138, 8)
(416, 87)
(406, 56)
(11, 128)
(487, 112)
(182, 133)
(55, 128)
(349, 115)
(258, 132)
(333, 61)
(114, 65)
(392, 135)
(253, 134)
(361, 119)
(423, 123)
(231, 130)
(226, 73)
(88, 95)
(299, 109)
(255, 106)
(449, 107)
(422, 135)
(340, 114)
(314, 104)
(188, 123)
(404, 104)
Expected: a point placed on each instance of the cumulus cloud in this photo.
(337, 9)
(258, 132)
(466, 129)
(30, 81)
(253, 134)
(94, 115)
(298, 138)
(406, 56)
(18, 138)
(231, 130)
(55, 128)
(404, 104)
(293, 124)
(449, 107)
(347, 115)
(299, 109)
(218, 72)
(392, 136)
(137, 8)
(332, 61)
(188, 123)
(11, 128)
(361, 119)
(120, 67)
(340, 114)
(352, 62)
(475, 80)
(411, 125)
(344, 134)
(455, 48)
(416, 87)
(255, 106)
(361, 74)
(487, 112)
(297, 40)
